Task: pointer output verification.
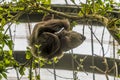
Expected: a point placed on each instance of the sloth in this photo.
(52, 26)
(68, 41)
(54, 37)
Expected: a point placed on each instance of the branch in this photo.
(15, 18)
(91, 17)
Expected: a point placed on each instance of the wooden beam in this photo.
(65, 63)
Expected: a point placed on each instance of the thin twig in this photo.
(107, 68)
(98, 41)
(97, 69)
(59, 76)
(13, 19)
(16, 69)
(92, 50)
(80, 63)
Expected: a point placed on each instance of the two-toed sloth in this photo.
(54, 36)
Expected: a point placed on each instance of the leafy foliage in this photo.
(99, 7)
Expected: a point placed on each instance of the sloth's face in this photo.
(71, 39)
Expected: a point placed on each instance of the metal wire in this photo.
(54, 71)
(114, 57)
(58, 75)
(92, 49)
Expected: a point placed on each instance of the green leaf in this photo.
(81, 60)
(1, 66)
(37, 46)
(73, 24)
(1, 9)
(10, 52)
(7, 62)
(22, 70)
(49, 62)
(55, 59)
(0, 77)
(36, 61)
(49, 1)
(3, 22)
(41, 64)
(10, 44)
(118, 51)
(37, 77)
(28, 55)
(117, 35)
(4, 75)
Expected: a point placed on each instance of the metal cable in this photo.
(58, 75)
(54, 71)
(114, 58)
(92, 49)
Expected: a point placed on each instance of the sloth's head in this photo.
(70, 39)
